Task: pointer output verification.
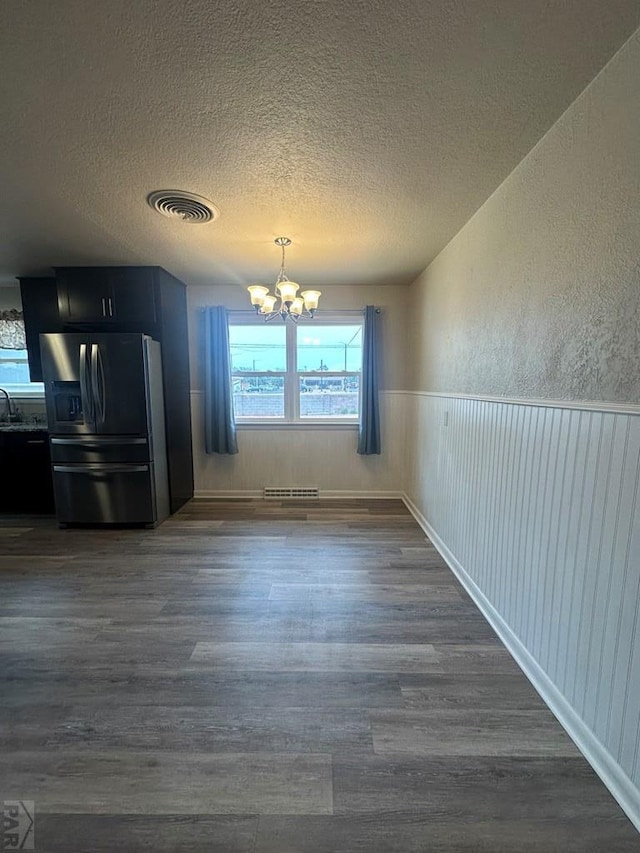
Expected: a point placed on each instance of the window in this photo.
(296, 373)
(14, 364)
(14, 373)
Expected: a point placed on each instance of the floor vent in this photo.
(308, 492)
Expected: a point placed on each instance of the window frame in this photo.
(292, 376)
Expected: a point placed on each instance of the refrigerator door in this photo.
(119, 383)
(66, 374)
(85, 449)
(109, 493)
(96, 384)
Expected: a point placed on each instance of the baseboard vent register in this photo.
(309, 492)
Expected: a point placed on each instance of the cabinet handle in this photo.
(110, 303)
(35, 441)
(104, 307)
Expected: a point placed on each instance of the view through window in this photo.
(14, 373)
(304, 372)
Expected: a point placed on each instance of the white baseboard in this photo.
(240, 494)
(607, 768)
(364, 495)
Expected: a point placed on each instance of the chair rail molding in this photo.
(578, 405)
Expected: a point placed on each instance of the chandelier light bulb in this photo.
(267, 304)
(311, 299)
(297, 306)
(258, 293)
(288, 290)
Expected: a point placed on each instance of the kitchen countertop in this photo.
(30, 426)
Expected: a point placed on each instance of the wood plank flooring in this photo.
(274, 677)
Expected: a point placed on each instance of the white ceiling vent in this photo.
(189, 207)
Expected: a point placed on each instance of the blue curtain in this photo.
(219, 422)
(369, 434)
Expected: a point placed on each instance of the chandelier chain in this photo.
(282, 276)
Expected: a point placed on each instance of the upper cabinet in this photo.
(106, 295)
(40, 306)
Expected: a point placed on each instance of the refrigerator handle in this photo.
(100, 470)
(103, 387)
(97, 383)
(97, 441)
(87, 406)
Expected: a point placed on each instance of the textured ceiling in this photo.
(367, 131)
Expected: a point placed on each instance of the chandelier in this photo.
(291, 306)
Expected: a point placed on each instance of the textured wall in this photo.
(539, 294)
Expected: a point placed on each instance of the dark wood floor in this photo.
(274, 678)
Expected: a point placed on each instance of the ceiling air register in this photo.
(188, 207)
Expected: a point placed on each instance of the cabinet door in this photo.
(25, 461)
(40, 307)
(105, 296)
(85, 295)
(35, 458)
(133, 294)
(9, 472)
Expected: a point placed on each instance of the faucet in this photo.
(11, 412)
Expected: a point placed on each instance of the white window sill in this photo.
(297, 425)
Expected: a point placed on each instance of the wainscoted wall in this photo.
(321, 457)
(536, 508)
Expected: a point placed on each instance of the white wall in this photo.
(323, 457)
(10, 297)
(536, 506)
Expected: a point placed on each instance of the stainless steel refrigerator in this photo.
(106, 427)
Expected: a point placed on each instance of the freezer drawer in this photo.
(88, 449)
(105, 494)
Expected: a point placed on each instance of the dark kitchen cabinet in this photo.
(40, 308)
(124, 299)
(25, 472)
(149, 300)
(106, 295)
